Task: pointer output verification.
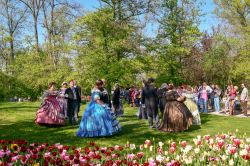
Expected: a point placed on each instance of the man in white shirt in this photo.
(244, 99)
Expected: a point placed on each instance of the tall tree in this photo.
(58, 17)
(178, 34)
(34, 7)
(237, 15)
(12, 17)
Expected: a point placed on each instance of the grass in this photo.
(17, 122)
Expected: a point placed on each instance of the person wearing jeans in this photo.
(204, 98)
(217, 93)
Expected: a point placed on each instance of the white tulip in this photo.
(197, 150)
(231, 162)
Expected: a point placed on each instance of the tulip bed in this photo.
(221, 149)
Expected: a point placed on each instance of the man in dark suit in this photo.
(149, 101)
(71, 94)
(116, 99)
(79, 94)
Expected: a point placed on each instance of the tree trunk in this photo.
(36, 35)
(12, 56)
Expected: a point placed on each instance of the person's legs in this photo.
(199, 105)
(212, 101)
(75, 111)
(231, 108)
(206, 106)
(69, 112)
(156, 118)
(217, 104)
(150, 116)
(244, 107)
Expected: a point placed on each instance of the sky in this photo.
(207, 21)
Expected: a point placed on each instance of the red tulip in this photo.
(92, 144)
(173, 144)
(246, 157)
(71, 157)
(140, 155)
(183, 144)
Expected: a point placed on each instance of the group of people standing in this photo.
(230, 99)
(58, 105)
(98, 118)
(179, 111)
(180, 107)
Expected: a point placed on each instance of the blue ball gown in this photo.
(97, 120)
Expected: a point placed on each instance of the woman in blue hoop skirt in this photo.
(98, 120)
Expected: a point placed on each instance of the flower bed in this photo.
(221, 149)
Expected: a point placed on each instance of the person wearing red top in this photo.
(232, 96)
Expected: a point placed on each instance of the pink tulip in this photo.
(117, 147)
(220, 143)
(233, 150)
(236, 142)
(114, 156)
(131, 156)
(160, 150)
(148, 142)
(91, 154)
(2, 153)
(66, 157)
(47, 154)
(82, 160)
(172, 150)
(207, 137)
(247, 148)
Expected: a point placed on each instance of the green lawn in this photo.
(17, 122)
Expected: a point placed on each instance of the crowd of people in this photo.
(179, 107)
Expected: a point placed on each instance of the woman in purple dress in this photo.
(62, 100)
(50, 112)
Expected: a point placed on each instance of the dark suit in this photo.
(116, 99)
(79, 99)
(150, 99)
(71, 94)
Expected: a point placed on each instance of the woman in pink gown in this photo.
(50, 112)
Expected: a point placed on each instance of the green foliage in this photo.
(11, 87)
(36, 71)
(107, 49)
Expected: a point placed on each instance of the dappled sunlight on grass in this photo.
(17, 122)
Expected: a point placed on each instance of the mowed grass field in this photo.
(17, 122)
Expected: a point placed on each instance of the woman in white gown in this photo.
(192, 106)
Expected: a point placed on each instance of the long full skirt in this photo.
(98, 121)
(176, 117)
(50, 113)
(193, 108)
